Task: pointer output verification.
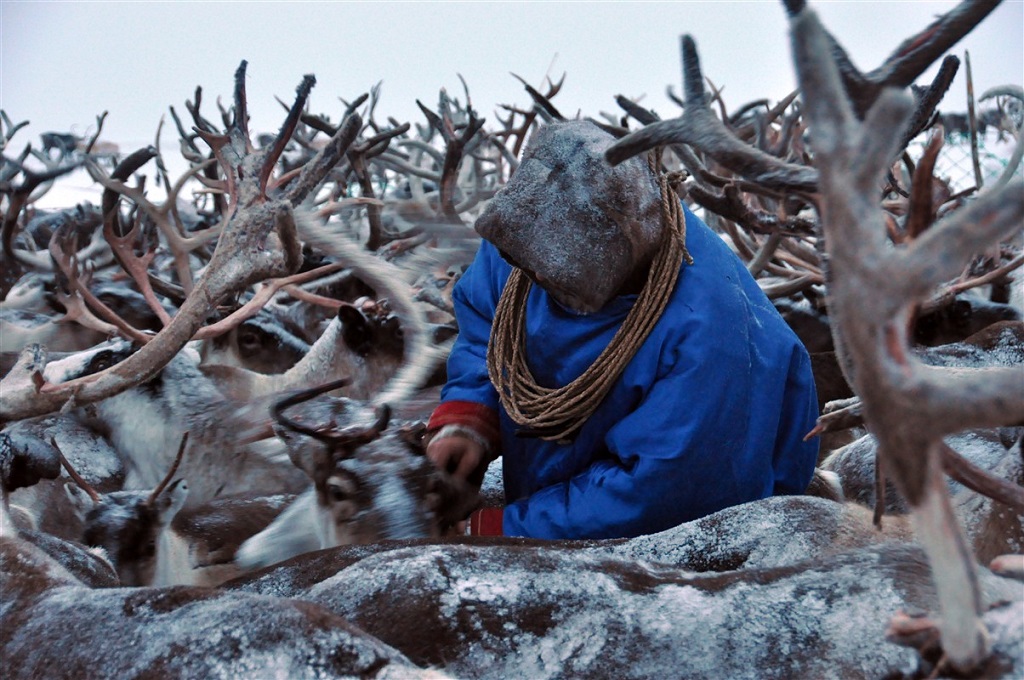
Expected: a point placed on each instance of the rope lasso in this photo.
(556, 414)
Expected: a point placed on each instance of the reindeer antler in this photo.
(699, 127)
(349, 438)
(258, 242)
(170, 473)
(79, 480)
(907, 406)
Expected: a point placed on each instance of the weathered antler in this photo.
(258, 242)
(700, 128)
(908, 406)
(17, 197)
(455, 147)
(909, 60)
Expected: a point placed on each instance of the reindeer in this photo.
(44, 505)
(507, 606)
(369, 484)
(262, 344)
(231, 449)
(152, 542)
(364, 342)
(187, 631)
(128, 525)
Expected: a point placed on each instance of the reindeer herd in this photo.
(213, 407)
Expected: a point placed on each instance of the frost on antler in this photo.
(907, 406)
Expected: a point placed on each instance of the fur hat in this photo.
(577, 226)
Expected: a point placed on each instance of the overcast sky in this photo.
(63, 63)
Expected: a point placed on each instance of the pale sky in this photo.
(63, 63)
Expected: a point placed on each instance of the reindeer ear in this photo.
(442, 332)
(171, 500)
(81, 503)
(356, 330)
(306, 454)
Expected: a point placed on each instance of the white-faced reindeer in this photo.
(369, 484)
(231, 448)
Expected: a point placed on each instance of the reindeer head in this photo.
(89, 361)
(262, 343)
(371, 483)
(127, 524)
(369, 326)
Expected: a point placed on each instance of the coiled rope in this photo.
(557, 414)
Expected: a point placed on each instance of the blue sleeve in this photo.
(475, 298)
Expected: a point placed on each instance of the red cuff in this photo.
(470, 414)
(486, 522)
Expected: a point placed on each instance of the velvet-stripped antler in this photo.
(907, 405)
(258, 242)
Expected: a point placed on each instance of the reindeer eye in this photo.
(248, 340)
(336, 493)
(101, 362)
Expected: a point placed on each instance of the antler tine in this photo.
(352, 437)
(299, 397)
(79, 480)
(699, 128)
(316, 168)
(241, 121)
(287, 129)
(539, 99)
(170, 473)
(915, 54)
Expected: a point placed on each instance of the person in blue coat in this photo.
(707, 395)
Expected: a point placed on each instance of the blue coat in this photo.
(710, 413)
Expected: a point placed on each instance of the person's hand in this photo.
(456, 454)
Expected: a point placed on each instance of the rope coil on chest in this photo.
(556, 414)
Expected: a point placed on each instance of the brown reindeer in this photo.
(505, 607)
(56, 626)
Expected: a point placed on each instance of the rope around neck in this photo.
(557, 414)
